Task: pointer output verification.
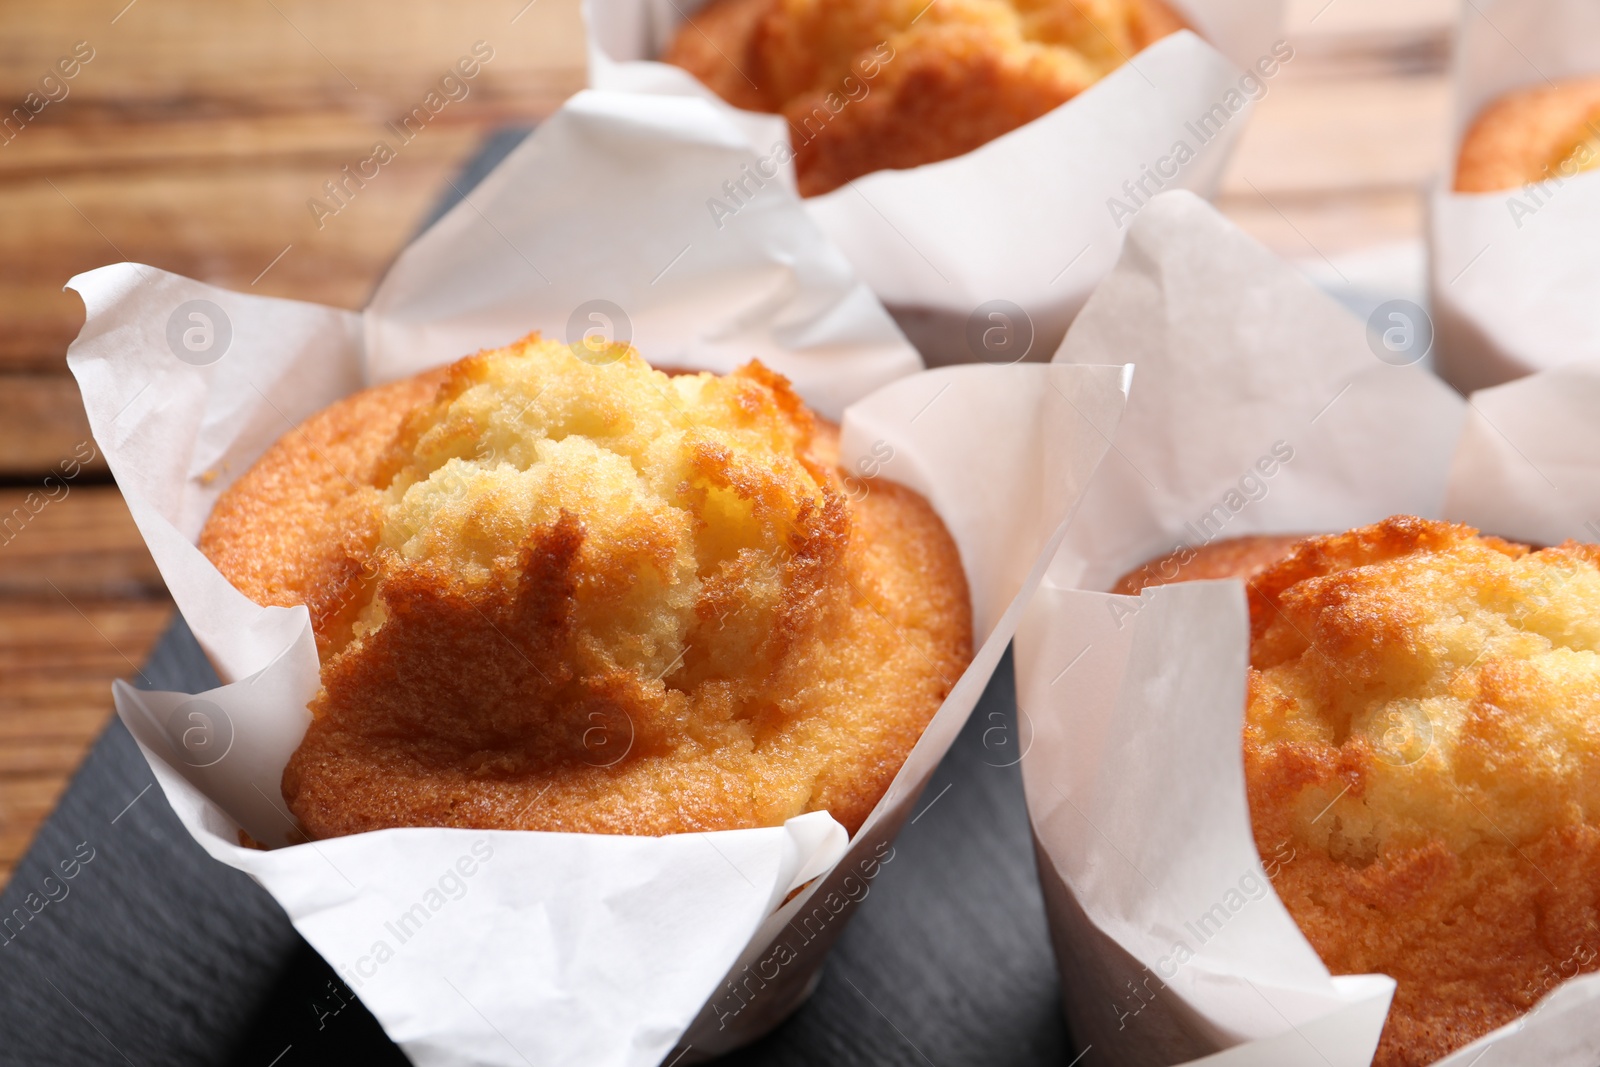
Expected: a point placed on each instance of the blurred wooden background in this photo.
(196, 134)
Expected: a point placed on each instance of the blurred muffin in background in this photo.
(1532, 135)
(870, 85)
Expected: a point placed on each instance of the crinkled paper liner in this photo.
(502, 947)
(1258, 408)
(1026, 223)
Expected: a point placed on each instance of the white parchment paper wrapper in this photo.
(1026, 218)
(1258, 408)
(1513, 272)
(514, 947)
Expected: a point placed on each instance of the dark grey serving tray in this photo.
(157, 954)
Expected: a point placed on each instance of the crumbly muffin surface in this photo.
(1422, 753)
(566, 593)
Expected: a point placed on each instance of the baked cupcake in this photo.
(871, 85)
(1532, 135)
(555, 589)
(1422, 756)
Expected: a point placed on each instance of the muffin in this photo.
(1422, 757)
(555, 589)
(871, 85)
(1550, 131)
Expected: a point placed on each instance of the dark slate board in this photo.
(156, 954)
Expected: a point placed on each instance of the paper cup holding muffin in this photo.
(571, 703)
(978, 162)
(1350, 812)
(1515, 223)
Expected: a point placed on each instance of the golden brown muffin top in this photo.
(874, 84)
(554, 592)
(1532, 135)
(1422, 752)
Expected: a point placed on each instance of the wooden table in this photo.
(195, 136)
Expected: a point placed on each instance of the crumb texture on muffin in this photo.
(1422, 753)
(1548, 132)
(875, 84)
(577, 594)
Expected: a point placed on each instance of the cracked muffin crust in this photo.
(577, 594)
(1422, 758)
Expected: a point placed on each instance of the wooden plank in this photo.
(115, 634)
(193, 138)
(1326, 226)
(288, 54)
(80, 542)
(224, 223)
(171, 218)
(1342, 151)
(44, 755)
(71, 715)
(103, 140)
(29, 793)
(1315, 136)
(1311, 20)
(25, 800)
(42, 424)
